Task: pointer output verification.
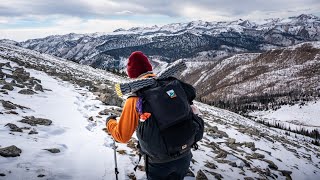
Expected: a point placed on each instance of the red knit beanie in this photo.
(138, 64)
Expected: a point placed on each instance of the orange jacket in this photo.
(122, 131)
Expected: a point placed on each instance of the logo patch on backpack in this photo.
(171, 93)
(184, 146)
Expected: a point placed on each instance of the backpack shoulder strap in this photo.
(130, 95)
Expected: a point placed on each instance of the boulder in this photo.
(201, 176)
(286, 173)
(214, 132)
(66, 77)
(223, 161)
(33, 132)
(190, 173)
(231, 141)
(83, 83)
(233, 164)
(257, 156)
(27, 92)
(20, 75)
(10, 151)
(8, 105)
(14, 128)
(271, 165)
(222, 154)
(132, 143)
(122, 152)
(103, 88)
(109, 111)
(110, 99)
(248, 178)
(8, 87)
(5, 64)
(18, 71)
(38, 87)
(250, 145)
(132, 176)
(53, 150)
(12, 112)
(210, 165)
(216, 175)
(31, 120)
(103, 98)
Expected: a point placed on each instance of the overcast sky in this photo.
(25, 19)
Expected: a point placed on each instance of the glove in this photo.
(112, 116)
(195, 110)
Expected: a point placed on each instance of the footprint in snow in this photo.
(91, 126)
(56, 131)
(108, 142)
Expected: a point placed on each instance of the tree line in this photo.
(315, 134)
(267, 101)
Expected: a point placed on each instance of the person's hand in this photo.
(195, 110)
(111, 116)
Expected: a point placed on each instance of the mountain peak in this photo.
(119, 30)
(247, 23)
(305, 17)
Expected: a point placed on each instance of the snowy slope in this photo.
(233, 146)
(82, 144)
(34, 57)
(296, 116)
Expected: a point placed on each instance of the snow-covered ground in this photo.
(296, 116)
(233, 146)
(86, 151)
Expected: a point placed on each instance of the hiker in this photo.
(139, 115)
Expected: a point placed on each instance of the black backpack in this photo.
(172, 129)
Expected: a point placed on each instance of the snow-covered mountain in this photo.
(52, 114)
(259, 81)
(205, 40)
(8, 41)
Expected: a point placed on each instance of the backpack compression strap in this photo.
(173, 69)
(135, 85)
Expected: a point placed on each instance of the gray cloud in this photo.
(44, 7)
(83, 8)
(231, 7)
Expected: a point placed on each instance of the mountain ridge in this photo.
(179, 40)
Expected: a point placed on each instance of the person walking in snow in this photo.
(162, 121)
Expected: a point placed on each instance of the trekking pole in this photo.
(115, 159)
